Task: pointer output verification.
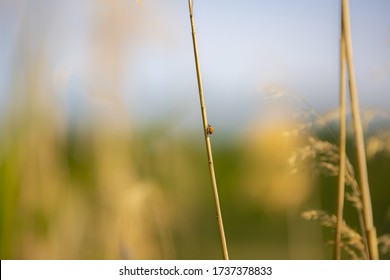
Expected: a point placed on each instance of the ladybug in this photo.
(209, 129)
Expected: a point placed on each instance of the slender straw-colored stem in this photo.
(342, 156)
(358, 131)
(342, 136)
(207, 139)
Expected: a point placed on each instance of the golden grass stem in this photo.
(358, 134)
(207, 139)
(342, 144)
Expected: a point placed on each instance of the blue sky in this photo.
(244, 47)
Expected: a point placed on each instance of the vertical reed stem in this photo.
(207, 139)
(342, 140)
(358, 131)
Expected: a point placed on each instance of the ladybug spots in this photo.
(209, 129)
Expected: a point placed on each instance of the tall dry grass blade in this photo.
(358, 131)
(207, 138)
(342, 141)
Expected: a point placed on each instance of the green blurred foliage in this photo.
(103, 192)
(86, 182)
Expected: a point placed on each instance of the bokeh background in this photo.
(102, 153)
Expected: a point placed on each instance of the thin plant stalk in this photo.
(342, 144)
(358, 134)
(207, 139)
(342, 157)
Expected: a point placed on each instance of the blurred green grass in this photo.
(103, 192)
(80, 180)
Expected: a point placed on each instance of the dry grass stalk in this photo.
(358, 131)
(351, 242)
(342, 143)
(323, 158)
(207, 138)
